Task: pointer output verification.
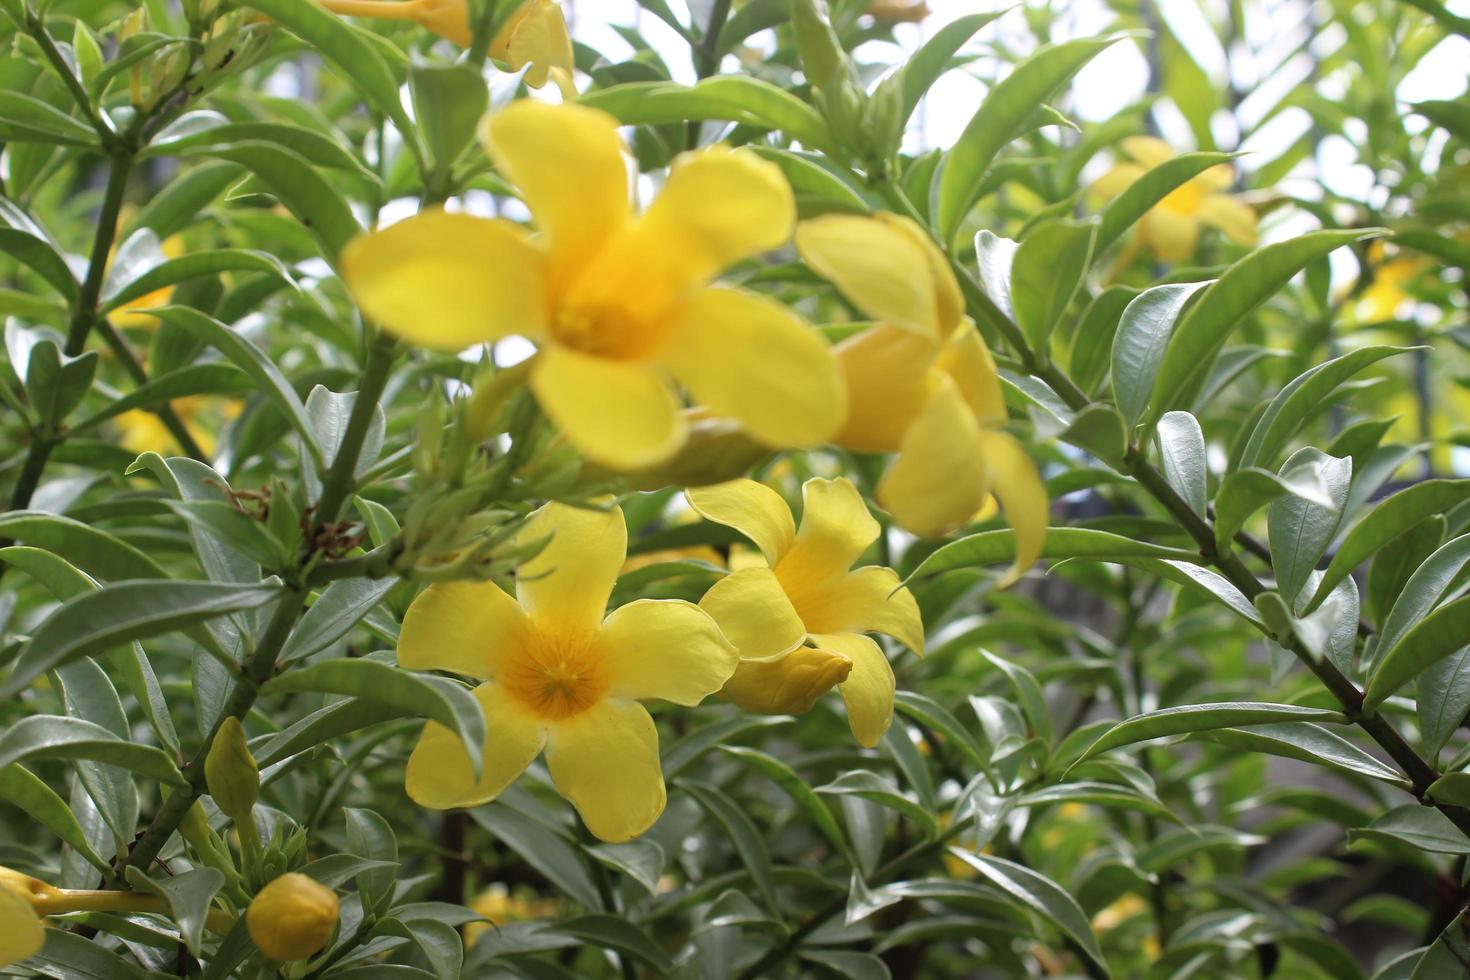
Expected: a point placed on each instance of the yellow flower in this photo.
(1171, 227)
(447, 18)
(536, 35)
(499, 906)
(898, 11)
(292, 917)
(923, 383)
(1385, 296)
(559, 676)
(134, 313)
(618, 306)
(143, 432)
(21, 933)
(805, 592)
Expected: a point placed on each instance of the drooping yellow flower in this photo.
(619, 306)
(143, 432)
(292, 917)
(799, 618)
(448, 18)
(560, 676)
(21, 933)
(537, 35)
(1171, 228)
(923, 383)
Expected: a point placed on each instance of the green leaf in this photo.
(1005, 113)
(1448, 115)
(341, 606)
(75, 957)
(124, 611)
(21, 788)
(1301, 530)
(370, 837)
(1099, 794)
(1246, 491)
(26, 119)
(1189, 718)
(193, 266)
(38, 255)
(315, 148)
(1436, 636)
(1046, 273)
(437, 698)
(1421, 827)
(1203, 331)
(873, 787)
(1309, 743)
(448, 101)
(1452, 787)
(1028, 695)
(438, 941)
(691, 748)
(849, 963)
(1099, 430)
(543, 850)
(1043, 896)
(1123, 211)
(1141, 341)
(729, 97)
(313, 199)
(995, 257)
(190, 895)
(1443, 699)
(248, 358)
(996, 547)
(795, 787)
(195, 379)
(938, 720)
(742, 834)
(1387, 521)
(1303, 398)
(1182, 456)
(641, 860)
(935, 56)
(59, 737)
(1090, 357)
(814, 183)
(613, 932)
(180, 203)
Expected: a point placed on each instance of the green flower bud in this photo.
(231, 772)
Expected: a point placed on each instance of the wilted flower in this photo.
(560, 676)
(292, 918)
(806, 592)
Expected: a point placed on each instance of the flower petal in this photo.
(1148, 150)
(567, 585)
(537, 36)
(836, 529)
(751, 359)
(868, 600)
(23, 935)
(753, 509)
(939, 478)
(567, 163)
(1235, 218)
(1022, 494)
(439, 774)
(465, 627)
(621, 414)
(605, 761)
(967, 360)
(869, 688)
(876, 265)
(789, 685)
(887, 368)
(755, 615)
(666, 649)
(1172, 236)
(1117, 180)
(448, 281)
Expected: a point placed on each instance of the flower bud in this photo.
(21, 933)
(231, 772)
(292, 918)
(898, 11)
(789, 686)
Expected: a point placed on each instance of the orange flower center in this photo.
(556, 676)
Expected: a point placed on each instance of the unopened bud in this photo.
(292, 918)
(231, 772)
(789, 686)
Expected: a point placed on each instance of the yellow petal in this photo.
(1235, 218)
(886, 368)
(1117, 180)
(836, 529)
(605, 761)
(448, 18)
(865, 601)
(465, 627)
(1216, 178)
(876, 265)
(755, 615)
(789, 685)
(949, 302)
(567, 162)
(1148, 150)
(751, 359)
(939, 478)
(665, 649)
(439, 774)
(22, 935)
(448, 281)
(537, 36)
(1172, 236)
(967, 360)
(621, 414)
(868, 690)
(566, 586)
(753, 509)
(1022, 494)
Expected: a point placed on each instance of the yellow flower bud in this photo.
(789, 686)
(292, 917)
(21, 931)
(897, 11)
(230, 770)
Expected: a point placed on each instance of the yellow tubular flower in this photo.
(806, 592)
(1171, 227)
(898, 11)
(292, 918)
(143, 432)
(447, 18)
(21, 933)
(560, 676)
(923, 384)
(619, 306)
(537, 35)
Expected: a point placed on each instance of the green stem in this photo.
(706, 56)
(84, 315)
(36, 28)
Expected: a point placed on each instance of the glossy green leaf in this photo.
(1123, 211)
(1189, 718)
(996, 547)
(1435, 637)
(733, 98)
(1141, 341)
(1307, 742)
(795, 787)
(1046, 273)
(21, 788)
(58, 737)
(315, 201)
(193, 266)
(742, 834)
(543, 850)
(1182, 458)
(874, 788)
(1246, 491)
(1301, 530)
(1421, 827)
